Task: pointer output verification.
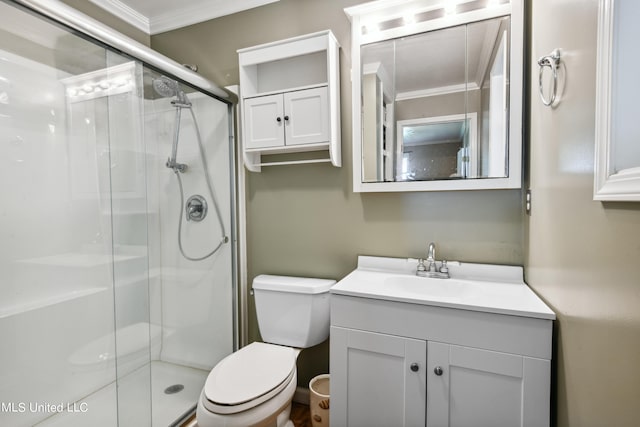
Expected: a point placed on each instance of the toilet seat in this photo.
(249, 377)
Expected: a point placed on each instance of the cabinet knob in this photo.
(415, 367)
(286, 118)
(278, 119)
(438, 370)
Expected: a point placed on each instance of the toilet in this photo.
(255, 385)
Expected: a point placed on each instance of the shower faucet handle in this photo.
(196, 208)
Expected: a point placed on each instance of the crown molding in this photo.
(126, 13)
(180, 16)
(199, 12)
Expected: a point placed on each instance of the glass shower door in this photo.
(105, 318)
(105, 110)
(74, 261)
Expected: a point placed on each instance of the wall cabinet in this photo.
(287, 119)
(290, 101)
(398, 364)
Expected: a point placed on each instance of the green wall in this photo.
(582, 255)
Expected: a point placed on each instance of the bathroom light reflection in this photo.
(450, 8)
(421, 14)
(409, 19)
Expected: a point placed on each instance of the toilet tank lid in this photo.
(301, 285)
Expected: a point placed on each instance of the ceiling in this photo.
(157, 16)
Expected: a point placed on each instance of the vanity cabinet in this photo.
(401, 364)
(474, 387)
(290, 101)
(381, 377)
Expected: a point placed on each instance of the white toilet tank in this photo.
(292, 311)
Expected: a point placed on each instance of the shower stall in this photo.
(118, 288)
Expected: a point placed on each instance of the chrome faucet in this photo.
(431, 269)
(431, 257)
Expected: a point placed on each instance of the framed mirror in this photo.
(617, 163)
(437, 95)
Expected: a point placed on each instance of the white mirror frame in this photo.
(608, 186)
(384, 10)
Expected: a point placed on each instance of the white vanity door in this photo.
(480, 388)
(264, 122)
(307, 116)
(377, 380)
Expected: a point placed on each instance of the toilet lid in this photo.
(249, 373)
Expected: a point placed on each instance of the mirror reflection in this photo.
(435, 105)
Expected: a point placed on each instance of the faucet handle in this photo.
(443, 267)
(421, 266)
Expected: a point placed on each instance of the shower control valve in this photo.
(196, 208)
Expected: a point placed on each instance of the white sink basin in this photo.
(478, 287)
(425, 287)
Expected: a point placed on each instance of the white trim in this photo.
(126, 13)
(180, 16)
(444, 90)
(71, 17)
(200, 12)
(625, 185)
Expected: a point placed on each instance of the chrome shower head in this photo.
(166, 87)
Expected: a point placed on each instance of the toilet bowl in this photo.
(255, 385)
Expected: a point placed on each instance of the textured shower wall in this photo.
(191, 300)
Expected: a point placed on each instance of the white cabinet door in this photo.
(306, 114)
(480, 388)
(377, 380)
(263, 122)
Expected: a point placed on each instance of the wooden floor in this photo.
(300, 415)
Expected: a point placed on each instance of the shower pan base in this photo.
(166, 408)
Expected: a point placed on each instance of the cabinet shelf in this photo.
(292, 89)
(290, 100)
(295, 162)
(290, 149)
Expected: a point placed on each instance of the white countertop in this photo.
(477, 287)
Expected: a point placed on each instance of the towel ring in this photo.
(552, 61)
